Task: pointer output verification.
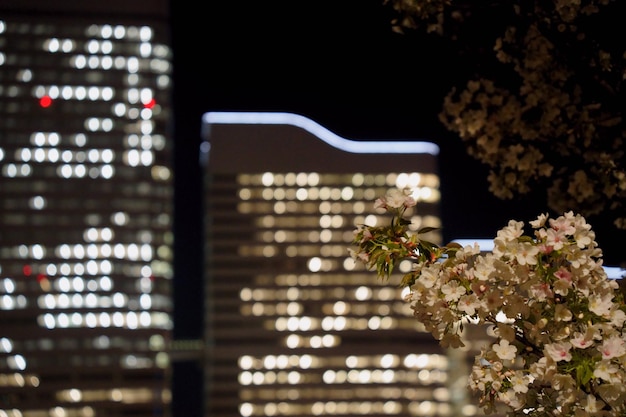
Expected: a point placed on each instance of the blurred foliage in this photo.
(539, 97)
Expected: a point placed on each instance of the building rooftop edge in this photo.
(319, 131)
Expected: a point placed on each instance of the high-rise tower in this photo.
(85, 209)
(294, 326)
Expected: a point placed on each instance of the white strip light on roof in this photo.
(405, 147)
(486, 245)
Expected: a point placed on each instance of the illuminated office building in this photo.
(293, 325)
(85, 209)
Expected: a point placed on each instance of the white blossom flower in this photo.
(559, 351)
(394, 199)
(618, 318)
(606, 370)
(511, 398)
(429, 276)
(469, 304)
(504, 350)
(526, 253)
(540, 221)
(601, 304)
(519, 382)
(592, 405)
(452, 291)
(612, 347)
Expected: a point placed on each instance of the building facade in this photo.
(85, 209)
(294, 326)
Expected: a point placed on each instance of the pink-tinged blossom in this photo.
(563, 274)
(504, 350)
(380, 203)
(559, 351)
(563, 223)
(612, 347)
(545, 249)
(582, 341)
(564, 281)
(540, 292)
(556, 239)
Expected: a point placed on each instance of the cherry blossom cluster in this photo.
(557, 320)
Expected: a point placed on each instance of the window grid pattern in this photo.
(295, 326)
(85, 218)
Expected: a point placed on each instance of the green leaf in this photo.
(428, 245)
(427, 229)
(408, 280)
(584, 372)
(404, 222)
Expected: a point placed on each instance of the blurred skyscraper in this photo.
(294, 326)
(85, 209)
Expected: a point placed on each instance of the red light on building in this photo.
(150, 104)
(45, 101)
